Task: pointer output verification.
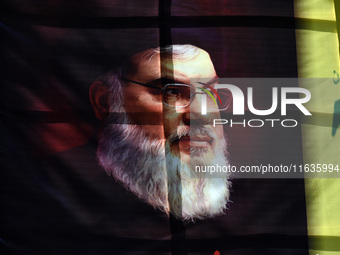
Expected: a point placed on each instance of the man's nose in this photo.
(196, 103)
(192, 114)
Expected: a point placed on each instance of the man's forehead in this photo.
(153, 65)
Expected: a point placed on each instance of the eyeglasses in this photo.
(180, 95)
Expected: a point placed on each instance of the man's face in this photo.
(152, 148)
(145, 108)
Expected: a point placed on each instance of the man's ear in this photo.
(99, 95)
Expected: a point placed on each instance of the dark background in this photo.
(52, 52)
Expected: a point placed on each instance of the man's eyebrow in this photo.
(211, 81)
(163, 81)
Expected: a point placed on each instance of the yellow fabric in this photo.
(318, 57)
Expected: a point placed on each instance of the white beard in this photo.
(147, 167)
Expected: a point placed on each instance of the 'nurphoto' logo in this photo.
(238, 103)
